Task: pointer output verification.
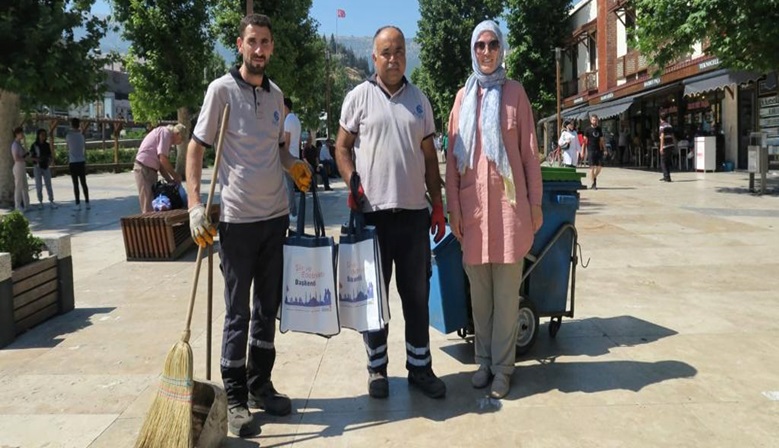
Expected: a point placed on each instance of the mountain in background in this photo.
(362, 46)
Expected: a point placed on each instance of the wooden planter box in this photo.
(35, 292)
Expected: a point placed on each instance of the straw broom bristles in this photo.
(169, 421)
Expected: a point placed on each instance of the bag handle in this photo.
(319, 221)
(356, 217)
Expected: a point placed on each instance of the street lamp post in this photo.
(557, 52)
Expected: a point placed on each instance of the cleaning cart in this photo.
(549, 277)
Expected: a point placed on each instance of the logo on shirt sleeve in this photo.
(276, 117)
(420, 110)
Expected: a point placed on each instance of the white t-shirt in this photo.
(292, 125)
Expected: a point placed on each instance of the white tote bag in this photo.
(362, 296)
(309, 303)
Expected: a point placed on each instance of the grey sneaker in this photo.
(77, 207)
(270, 400)
(378, 385)
(240, 421)
(481, 378)
(500, 385)
(427, 383)
(89, 207)
(53, 204)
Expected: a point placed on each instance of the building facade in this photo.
(602, 74)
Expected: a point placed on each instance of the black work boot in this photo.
(427, 383)
(270, 400)
(378, 385)
(240, 421)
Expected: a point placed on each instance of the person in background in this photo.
(596, 148)
(622, 144)
(667, 147)
(493, 191)
(311, 154)
(43, 158)
(253, 220)
(326, 160)
(153, 158)
(292, 132)
(582, 148)
(77, 161)
(21, 188)
(569, 144)
(386, 135)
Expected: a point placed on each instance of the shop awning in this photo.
(576, 113)
(572, 112)
(611, 109)
(546, 119)
(716, 80)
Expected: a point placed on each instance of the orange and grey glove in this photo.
(203, 232)
(301, 174)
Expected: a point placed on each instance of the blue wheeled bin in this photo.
(448, 299)
(550, 267)
(547, 284)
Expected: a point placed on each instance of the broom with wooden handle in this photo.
(169, 421)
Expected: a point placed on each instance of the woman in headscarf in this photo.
(493, 190)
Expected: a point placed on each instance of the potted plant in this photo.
(33, 288)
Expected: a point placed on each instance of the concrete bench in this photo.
(159, 236)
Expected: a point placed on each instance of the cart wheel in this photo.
(462, 332)
(554, 325)
(528, 326)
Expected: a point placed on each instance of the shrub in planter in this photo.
(16, 239)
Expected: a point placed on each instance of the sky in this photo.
(363, 17)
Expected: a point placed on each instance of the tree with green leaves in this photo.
(536, 27)
(298, 51)
(742, 34)
(44, 62)
(169, 39)
(444, 36)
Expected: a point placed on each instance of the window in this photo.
(592, 45)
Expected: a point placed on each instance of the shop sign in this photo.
(607, 96)
(710, 63)
(651, 83)
(578, 100)
(769, 101)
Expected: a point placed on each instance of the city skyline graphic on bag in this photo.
(356, 289)
(309, 300)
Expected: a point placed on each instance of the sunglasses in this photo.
(493, 45)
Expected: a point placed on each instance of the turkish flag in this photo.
(340, 13)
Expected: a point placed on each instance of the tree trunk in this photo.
(9, 119)
(181, 150)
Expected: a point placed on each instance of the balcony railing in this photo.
(630, 64)
(588, 81)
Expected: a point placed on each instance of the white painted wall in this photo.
(622, 35)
